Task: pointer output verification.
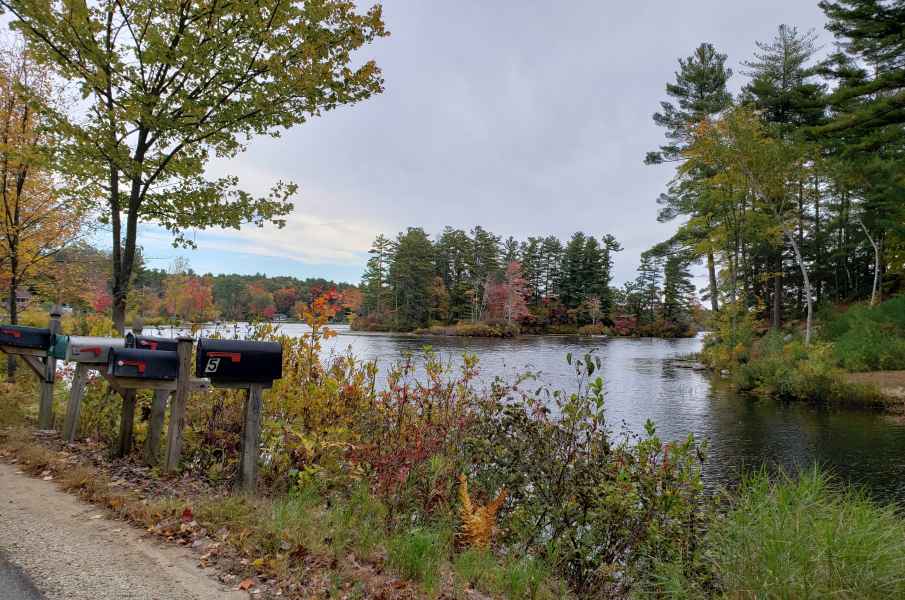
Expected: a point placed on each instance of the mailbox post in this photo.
(45, 409)
(251, 366)
(178, 404)
(88, 354)
(35, 346)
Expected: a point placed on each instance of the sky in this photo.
(527, 118)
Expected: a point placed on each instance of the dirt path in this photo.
(71, 551)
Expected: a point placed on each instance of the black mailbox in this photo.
(25, 337)
(238, 361)
(142, 364)
(146, 342)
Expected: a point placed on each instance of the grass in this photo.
(804, 538)
(418, 554)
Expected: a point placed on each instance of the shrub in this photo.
(598, 329)
(869, 338)
(792, 371)
(497, 329)
(599, 509)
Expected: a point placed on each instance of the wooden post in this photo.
(76, 393)
(251, 435)
(45, 410)
(178, 404)
(126, 423)
(155, 426)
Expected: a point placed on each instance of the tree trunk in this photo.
(13, 315)
(876, 285)
(776, 320)
(807, 285)
(711, 272)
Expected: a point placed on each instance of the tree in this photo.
(505, 295)
(701, 93)
(573, 282)
(374, 282)
(678, 291)
(484, 263)
(739, 148)
(189, 298)
(38, 219)
(411, 275)
(168, 83)
(285, 298)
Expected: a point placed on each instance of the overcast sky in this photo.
(528, 118)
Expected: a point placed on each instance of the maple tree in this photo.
(505, 298)
(171, 83)
(189, 298)
(38, 220)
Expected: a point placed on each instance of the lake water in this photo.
(643, 381)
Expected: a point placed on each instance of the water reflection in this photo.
(642, 381)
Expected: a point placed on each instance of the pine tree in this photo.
(701, 93)
(411, 274)
(375, 279)
(573, 271)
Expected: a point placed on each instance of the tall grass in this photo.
(804, 538)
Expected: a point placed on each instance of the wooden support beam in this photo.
(24, 351)
(126, 423)
(45, 409)
(155, 427)
(251, 436)
(178, 404)
(76, 393)
(35, 364)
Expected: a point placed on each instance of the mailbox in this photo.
(93, 350)
(237, 361)
(142, 364)
(146, 342)
(25, 337)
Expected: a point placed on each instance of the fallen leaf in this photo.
(246, 584)
(187, 515)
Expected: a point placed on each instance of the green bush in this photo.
(869, 338)
(600, 509)
(792, 371)
(804, 539)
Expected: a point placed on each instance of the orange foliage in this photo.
(478, 522)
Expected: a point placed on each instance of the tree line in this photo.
(178, 293)
(540, 284)
(791, 191)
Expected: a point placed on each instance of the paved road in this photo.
(14, 584)
(69, 550)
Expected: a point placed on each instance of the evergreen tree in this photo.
(375, 279)
(411, 274)
(609, 247)
(678, 291)
(573, 271)
(552, 252)
(700, 93)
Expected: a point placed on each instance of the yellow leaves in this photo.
(478, 522)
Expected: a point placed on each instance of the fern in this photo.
(478, 522)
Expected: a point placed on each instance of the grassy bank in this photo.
(778, 364)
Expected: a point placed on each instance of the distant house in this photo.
(24, 298)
